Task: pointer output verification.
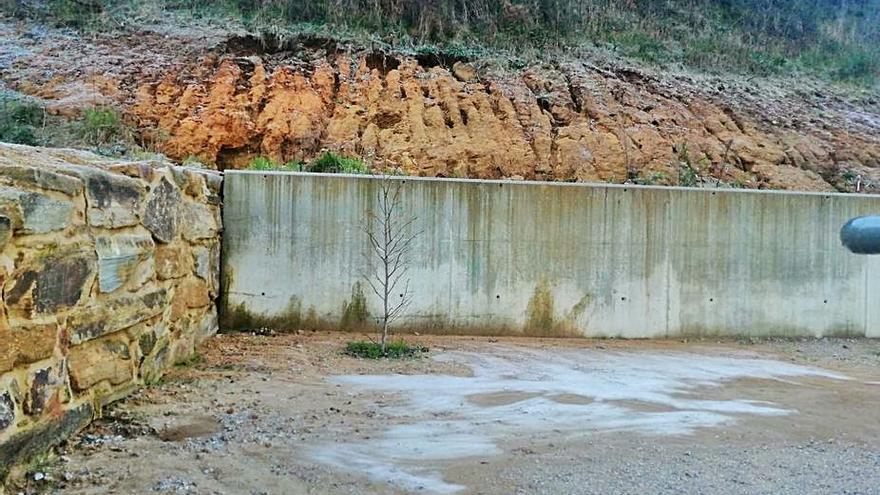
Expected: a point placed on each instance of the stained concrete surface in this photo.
(513, 258)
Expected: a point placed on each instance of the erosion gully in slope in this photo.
(229, 98)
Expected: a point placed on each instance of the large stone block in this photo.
(25, 445)
(24, 344)
(199, 221)
(182, 348)
(146, 340)
(161, 215)
(191, 293)
(207, 326)
(42, 178)
(118, 257)
(55, 282)
(145, 170)
(7, 411)
(154, 364)
(110, 316)
(106, 359)
(5, 231)
(34, 213)
(47, 389)
(143, 273)
(203, 262)
(191, 181)
(214, 181)
(172, 261)
(113, 200)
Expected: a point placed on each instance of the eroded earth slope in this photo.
(228, 98)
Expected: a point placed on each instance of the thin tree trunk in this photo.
(388, 210)
(391, 247)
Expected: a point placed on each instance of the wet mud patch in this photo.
(282, 404)
(499, 398)
(573, 399)
(198, 427)
(517, 392)
(643, 406)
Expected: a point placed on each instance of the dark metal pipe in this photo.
(862, 235)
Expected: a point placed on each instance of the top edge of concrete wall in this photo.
(599, 185)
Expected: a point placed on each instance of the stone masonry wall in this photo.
(108, 275)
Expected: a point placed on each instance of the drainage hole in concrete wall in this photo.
(711, 299)
(623, 299)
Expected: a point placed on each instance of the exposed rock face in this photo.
(571, 117)
(85, 308)
(564, 122)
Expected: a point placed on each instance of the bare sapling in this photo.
(391, 235)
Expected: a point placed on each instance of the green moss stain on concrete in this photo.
(540, 313)
(541, 317)
(239, 317)
(354, 310)
(569, 325)
(311, 320)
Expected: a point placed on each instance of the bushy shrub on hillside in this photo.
(19, 120)
(264, 163)
(332, 163)
(329, 162)
(100, 126)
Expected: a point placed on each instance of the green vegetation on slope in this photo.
(19, 121)
(836, 38)
(24, 120)
(329, 162)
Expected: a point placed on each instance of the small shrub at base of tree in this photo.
(373, 350)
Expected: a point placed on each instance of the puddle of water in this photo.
(571, 399)
(516, 392)
(499, 398)
(195, 428)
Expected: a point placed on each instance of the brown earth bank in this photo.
(227, 98)
(255, 413)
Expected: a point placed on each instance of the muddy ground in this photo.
(290, 414)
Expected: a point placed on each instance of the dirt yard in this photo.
(290, 414)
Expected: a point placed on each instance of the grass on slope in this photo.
(837, 39)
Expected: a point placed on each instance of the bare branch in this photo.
(390, 237)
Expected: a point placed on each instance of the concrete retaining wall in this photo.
(108, 272)
(552, 259)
